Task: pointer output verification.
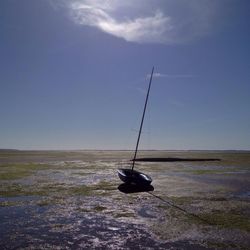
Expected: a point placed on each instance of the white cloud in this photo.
(147, 21)
(146, 29)
(141, 29)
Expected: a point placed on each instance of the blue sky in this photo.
(73, 74)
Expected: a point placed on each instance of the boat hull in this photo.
(131, 176)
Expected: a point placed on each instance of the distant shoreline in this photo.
(128, 150)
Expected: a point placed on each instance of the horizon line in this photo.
(98, 149)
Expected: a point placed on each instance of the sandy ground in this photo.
(69, 200)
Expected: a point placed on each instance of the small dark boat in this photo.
(130, 176)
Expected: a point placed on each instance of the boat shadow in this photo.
(133, 188)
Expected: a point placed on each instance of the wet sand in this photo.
(74, 199)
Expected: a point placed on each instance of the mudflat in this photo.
(74, 199)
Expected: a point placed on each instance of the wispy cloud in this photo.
(160, 75)
(145, 21)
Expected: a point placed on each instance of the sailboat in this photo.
(129, 175)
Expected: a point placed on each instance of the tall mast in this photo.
(144, 110)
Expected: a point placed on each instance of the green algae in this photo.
(8, 203)
(12, 190)
(181, 200)
(99, 208)
(83, 210)
(221, 245)
(20, 170)
(99, 188)
(58, 190)
(228, 220)
(221, 217)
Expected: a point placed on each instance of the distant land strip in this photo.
(175, 159)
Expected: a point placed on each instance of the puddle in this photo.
(147, 212)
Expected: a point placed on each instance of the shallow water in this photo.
(60, 227)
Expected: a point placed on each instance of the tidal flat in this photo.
(75, 199)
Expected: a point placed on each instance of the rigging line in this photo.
(181, 209)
